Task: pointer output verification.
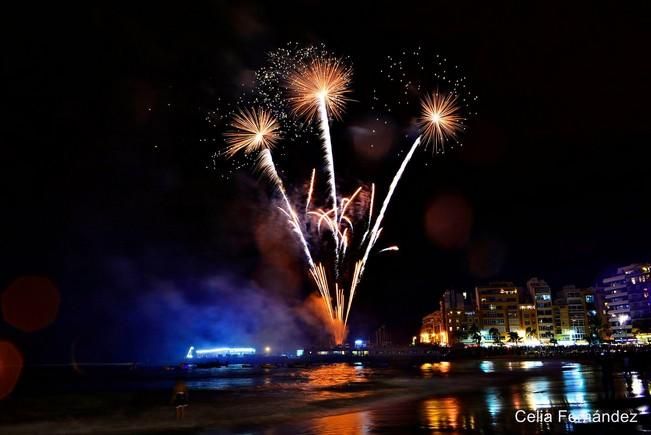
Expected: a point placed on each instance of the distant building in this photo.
(580, 307)
(471, 315)
(432, 330)
(561, 321)
(626, 300)
(498, 306)
(453, 311)
(528, 325)
(382, 336)
(452, 321)
(620, 310)
(541, 294)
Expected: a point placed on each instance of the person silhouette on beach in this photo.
(180, 399)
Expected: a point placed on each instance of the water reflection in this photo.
(524, 365)
(356, 423)
(636, 385)
(493, 400)
(487, 366)
(335, 374)
(574, 386)
(220, 383)
(488, 408)
(445, 414)
(536, 394)
(429, 369)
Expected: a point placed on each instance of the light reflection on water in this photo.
(490, 408)
(356, 423)
(430, 369)
(487, 366)
(535, 392)
(443, 414)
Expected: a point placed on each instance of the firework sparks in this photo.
(353, 286)
(316, 90)
(440, 119)
(375, 232)
(267, 167)
(442, 122)
(327, 149)
(254, 130)
(323, 82)
(310, 190)
(318, 86)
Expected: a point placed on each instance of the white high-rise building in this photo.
(626, 300)
(541, 294)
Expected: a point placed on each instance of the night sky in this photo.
(111, 189)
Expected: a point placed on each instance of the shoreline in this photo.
(248, 407)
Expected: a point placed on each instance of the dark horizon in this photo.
(112, 191)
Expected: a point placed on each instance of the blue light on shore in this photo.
(220, 351)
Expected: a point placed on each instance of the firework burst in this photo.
(324, 81)
(315, 86)
(317, 90)
(440, 119)
(253, 130)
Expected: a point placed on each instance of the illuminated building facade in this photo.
(528, 320)
(621, 311)
(451, 323)
(453, 312)
(498, 306)
(626, 300)
(541, 294)
(432, 330)
(572, 309)
(574, 299)
(561, 321)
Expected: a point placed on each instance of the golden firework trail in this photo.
(353, 287)
(389, 248)
(323, 217)
(327, 148)
(439, 121)
(346, 202)
(370, 214)
(375, 232)
(321, 280)
(320, 88)
(257, 131)
(267, 167)
(310, 190)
